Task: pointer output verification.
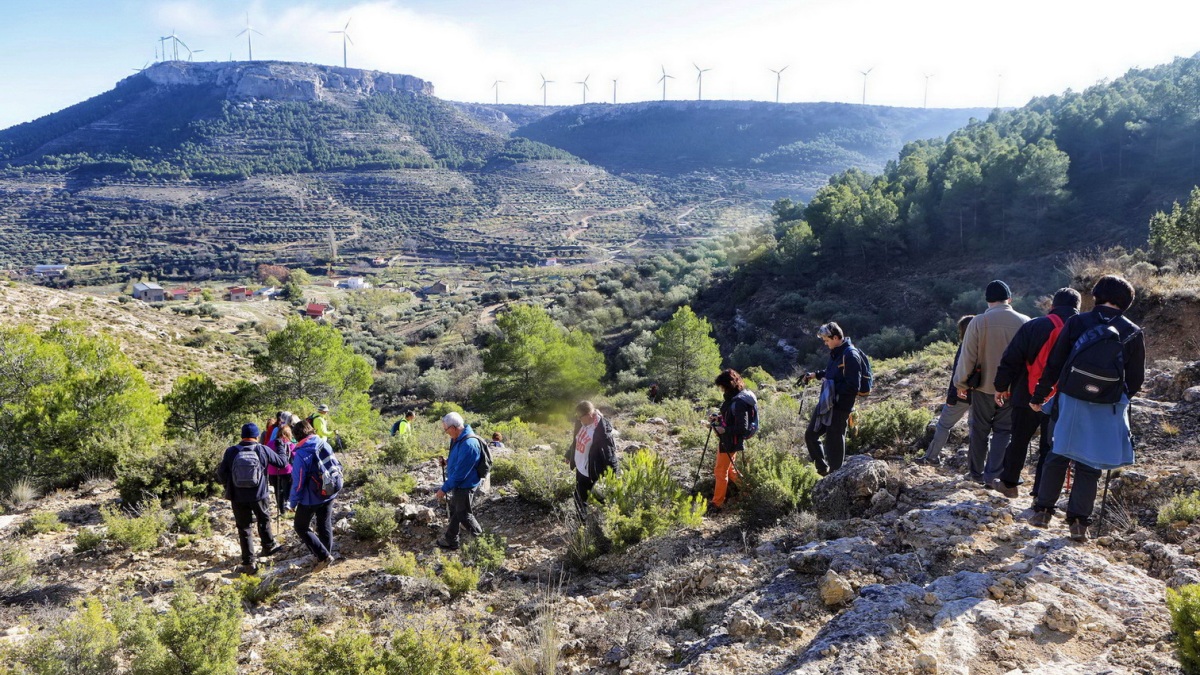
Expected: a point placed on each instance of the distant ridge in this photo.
(280, 80)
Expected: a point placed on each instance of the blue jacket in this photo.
(460, 465)
(843, 370)
(304, 491)
(266, 457)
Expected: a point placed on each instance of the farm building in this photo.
(147, 291)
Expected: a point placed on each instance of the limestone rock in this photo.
(415, 512)
(850, 491)
(744, 623)
(1191, 394)
(835, 590)
(840, 555)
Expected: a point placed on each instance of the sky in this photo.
(54, 53)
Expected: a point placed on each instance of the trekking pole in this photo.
(447, 496)
(1103, 504)
(696, 480)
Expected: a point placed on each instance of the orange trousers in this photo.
(725, 472)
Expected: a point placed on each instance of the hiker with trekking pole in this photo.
(466, 466)
(1098, 364)
(736, 422)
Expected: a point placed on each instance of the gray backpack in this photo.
(247, 470)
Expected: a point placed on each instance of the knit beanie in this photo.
(998, 291)
(250, 430)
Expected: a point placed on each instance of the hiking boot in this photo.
(999, 486)
(268, 552)
(1079, 530)
(321, 564)
(925, 461)
(247, 568)
(441, 542)
(1041, 519)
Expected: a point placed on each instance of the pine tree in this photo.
(685, 358)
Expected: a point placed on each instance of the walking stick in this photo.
(447, 496)
(696, 480)
(1103, 504)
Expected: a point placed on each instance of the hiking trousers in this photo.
(319, 544)
(1083, 489)
(725, 472)
(283, 488)
(950, 416)
(830, 457)
(244, 516)
(460, 515)
(988, 420)
(583, 486)
(1026, 422)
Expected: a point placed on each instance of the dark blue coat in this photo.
(844, 369)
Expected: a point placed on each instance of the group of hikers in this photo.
(1067, 375)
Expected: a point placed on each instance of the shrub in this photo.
(16, 568)
(504, 471)
(140, 531)
(777, 483)
(458, 577)
(644, 501)
(84, 644)
(542, 479)
(190, 637)
(88, 539)
(438, 651)
(486, 552)
(21, 492)
(388, 488)
(1182, 507)
(888, 424)
(373, 522)
(400, 563)
(43, 522)
(192, 518)
(405, 451)
(889, 341)
(254, 591)
(353, 651)
(1184, 606)
(440, 409)
(182, 468)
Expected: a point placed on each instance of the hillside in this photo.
(784, 149)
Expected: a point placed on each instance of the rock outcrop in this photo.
(280, 81)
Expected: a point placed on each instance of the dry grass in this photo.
(540, 652)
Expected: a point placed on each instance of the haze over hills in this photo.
(197, 168)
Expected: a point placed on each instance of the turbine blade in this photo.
(254, 31)
(347, 26)
(242, 33)
(348, 38)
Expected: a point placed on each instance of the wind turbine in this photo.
(865, 73)
(545, 87)
(496, 86)
(614, 91)
(193, 53)
(700, 80)
(925, 103)
(344, 32)
(144, 66)
(664, 79)
(778, 78)
(249, 32)
(585, 87)
(175, 42)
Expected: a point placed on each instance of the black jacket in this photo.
(1013, 373)
(1135, 350)
(952, 393)
(735, 417)
(603, 453)
(225, 472)
(844, 369)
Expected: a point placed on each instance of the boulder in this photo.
(1191, 394)
(415, 512)
(835, 590)
(839, 555)
(851, 491)
(744, 623)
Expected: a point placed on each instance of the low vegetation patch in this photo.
(541, 478)
(137, 531)
(643, 501)
(1184, 605)
(777, 483)
(43, 522)
(486, 552)
(1185, 508)
(354, 651)
(373, 522)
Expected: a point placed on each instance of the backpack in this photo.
(1095, 369)
(866, 380)
(326, 471)
(1038, 366)
(247, 469)
(751, 400)
(483, 467)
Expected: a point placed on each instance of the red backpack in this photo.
(1039, 364)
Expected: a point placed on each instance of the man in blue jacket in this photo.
(461, 478)
(842, 374)
(243, 472)
(306, 499)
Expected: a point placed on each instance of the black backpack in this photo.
(1095, 369)
(247, 469)
(866, 380)
(483, 467)
(750, 400)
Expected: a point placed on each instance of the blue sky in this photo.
(54, 53)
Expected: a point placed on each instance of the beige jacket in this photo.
(987, 336)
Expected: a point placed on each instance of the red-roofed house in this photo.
(316, 310)
(239, 293)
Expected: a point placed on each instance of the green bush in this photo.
(408, 450)
(84, 644)
(776, 483)
(388, 487)
(1184, 606)
(190, 637)
(643, 501)
(353, 651)
(88, 539)
(458, 576)
(43, 522)
(1182, 507)
(185, 467)
(542, 478)
(400, 563)
(504, 471)
(373, 522)
(889, 424)
(254, 591)
(192, 518)
(138, 532)
(16, 568)
(486, 552)
(440, 409)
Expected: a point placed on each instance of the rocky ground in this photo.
(902, 568)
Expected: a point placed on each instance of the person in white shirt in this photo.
(593, 450)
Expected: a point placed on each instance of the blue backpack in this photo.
(326, 471)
